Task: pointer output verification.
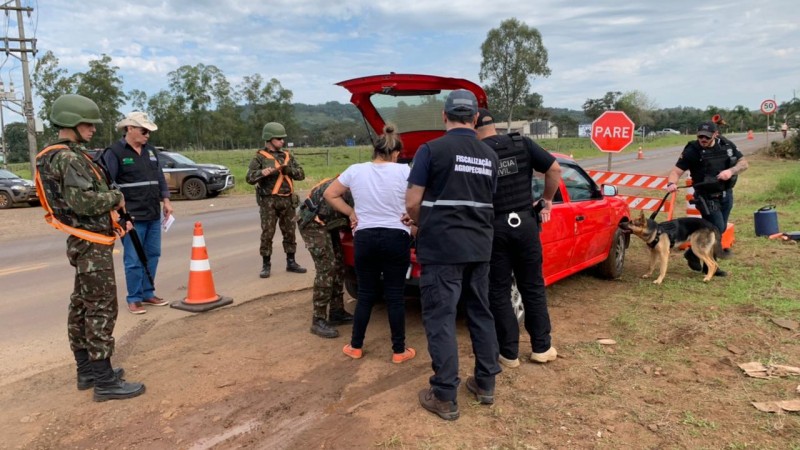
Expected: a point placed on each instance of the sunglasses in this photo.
(703, 138)
(280, 139)
(144, 131)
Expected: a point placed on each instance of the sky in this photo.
(678, 53)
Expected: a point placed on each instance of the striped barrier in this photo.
(637, 181)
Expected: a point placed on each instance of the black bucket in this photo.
(766, 221)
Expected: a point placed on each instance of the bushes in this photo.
(788, 148)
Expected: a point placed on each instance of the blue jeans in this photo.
(139, 287)
(719, 215)
(382, 256)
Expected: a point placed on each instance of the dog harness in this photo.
(667, 228)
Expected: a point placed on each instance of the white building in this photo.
(536, 129)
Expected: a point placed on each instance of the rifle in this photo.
(126, 216)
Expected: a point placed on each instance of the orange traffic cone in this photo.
(750, 135)
(640, 155)
(201, 295)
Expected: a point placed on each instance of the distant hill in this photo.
(313, 117)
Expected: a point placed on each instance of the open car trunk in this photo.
(413, 103)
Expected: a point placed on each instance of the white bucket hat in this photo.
(137, 119)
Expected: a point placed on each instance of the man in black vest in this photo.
(516, 247)
(132, 163)
(714, 165)
(450, 198)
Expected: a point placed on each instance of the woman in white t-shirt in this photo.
(381, 241)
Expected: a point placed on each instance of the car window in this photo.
(6, 174)
(177, 157)
(538, 188)
(579, 186)
(412, 111)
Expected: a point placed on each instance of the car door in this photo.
(557, 235)
(592, 218)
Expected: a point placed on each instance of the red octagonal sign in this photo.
(612, 131)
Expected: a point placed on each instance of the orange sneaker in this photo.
(410, 353)
(355, 353)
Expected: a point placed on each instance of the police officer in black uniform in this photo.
(714, 165)
(450, 198)
(516, 247)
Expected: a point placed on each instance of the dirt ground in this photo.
(252, 376)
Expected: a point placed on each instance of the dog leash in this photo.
(655, 213)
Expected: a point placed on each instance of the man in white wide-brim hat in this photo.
(132, 164)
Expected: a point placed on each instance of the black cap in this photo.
(707, 129)
(484, 118)
(461, 102)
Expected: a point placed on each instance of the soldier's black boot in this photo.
(718, 273)
(265, 267)
(339, 317)
(292, 266)
(108, 387)
(693, 260)
(322, 328)
(85, 374)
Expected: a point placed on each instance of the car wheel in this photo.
(612, 267)
(516, 302)
(351, 283)
(5, 201)
(194, 189)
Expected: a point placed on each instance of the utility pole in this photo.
(23, 50)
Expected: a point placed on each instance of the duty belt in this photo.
(514, 218)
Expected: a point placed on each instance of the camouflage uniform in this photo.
(277, 209)
(323, 242)
(80, 198)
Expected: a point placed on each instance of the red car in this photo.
(583, 230)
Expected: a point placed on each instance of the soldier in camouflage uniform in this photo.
(76, 195)
(273, 170)
(319, 226)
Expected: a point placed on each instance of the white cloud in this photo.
(719, 52)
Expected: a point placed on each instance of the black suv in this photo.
(191, 180)
(187, 178)
(14, 189)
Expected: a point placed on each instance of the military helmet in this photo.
(273, 130)
(71, 109)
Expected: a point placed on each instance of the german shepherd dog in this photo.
(661, 237)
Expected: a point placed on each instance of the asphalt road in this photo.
(36, 279)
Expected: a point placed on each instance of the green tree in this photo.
(195, 89)
(50, 82)
(567, 126)
(164, 111)
(16, 134)
(789, 112)
(512, 55)
(638, 106)
(102, 84)
(739, 118)
(266, 102)
(137, 99)
(593, 107)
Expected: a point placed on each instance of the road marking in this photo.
(14, 270)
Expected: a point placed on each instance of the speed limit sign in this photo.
(768, 106)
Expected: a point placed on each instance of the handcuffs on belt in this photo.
(514, 220)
